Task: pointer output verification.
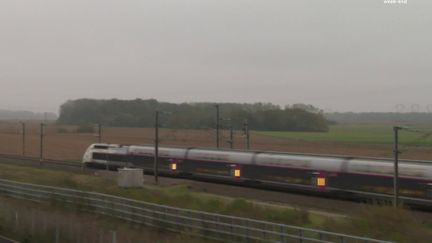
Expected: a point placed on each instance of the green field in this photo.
(399, 225)
(360, 133)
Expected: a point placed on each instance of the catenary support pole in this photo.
(396, 167)
(99, 133)
(217, 126)
(23, 133)
(41, 143)
(231, 136)
(156, 155)
(246, 131)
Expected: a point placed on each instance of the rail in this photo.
(208, 225)
(34, 160)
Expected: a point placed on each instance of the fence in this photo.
(26, 221)
(207, 225)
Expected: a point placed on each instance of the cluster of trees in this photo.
(140, 113)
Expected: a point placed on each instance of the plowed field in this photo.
(63, 142)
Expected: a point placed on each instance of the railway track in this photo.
(33, 161)
(360, 196)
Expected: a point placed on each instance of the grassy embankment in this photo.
(44, 222)
(358, 133)
(378, 222)
(177, 195)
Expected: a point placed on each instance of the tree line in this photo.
(140, 113)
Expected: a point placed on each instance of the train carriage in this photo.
(273, 170)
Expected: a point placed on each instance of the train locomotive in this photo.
(302, 172)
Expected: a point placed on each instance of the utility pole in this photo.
(23, 129)
(156, 155)
(41, 143)
(156, 147)
(99, 133)
(396, 166)
(217, 125)
(231, 136)
(246, 132)
(231, 141)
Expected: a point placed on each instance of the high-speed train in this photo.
(271, 169)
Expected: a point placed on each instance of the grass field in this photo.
(179, 195)
(387, 223)
(40, 222)
(361, 133)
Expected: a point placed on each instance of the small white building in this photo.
(130, 177)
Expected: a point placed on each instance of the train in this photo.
(321, 174)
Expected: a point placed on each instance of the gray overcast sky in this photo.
(340, 55)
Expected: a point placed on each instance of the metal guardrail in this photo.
(207, 225)
(6, 240)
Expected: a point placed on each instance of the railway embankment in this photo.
(26, 221)
(376, 222)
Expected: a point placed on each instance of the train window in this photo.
(237, 172)
(101, 147)
(99, 156)
(321, 181)
(110, 157)
(116, 157)
(173, 166)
